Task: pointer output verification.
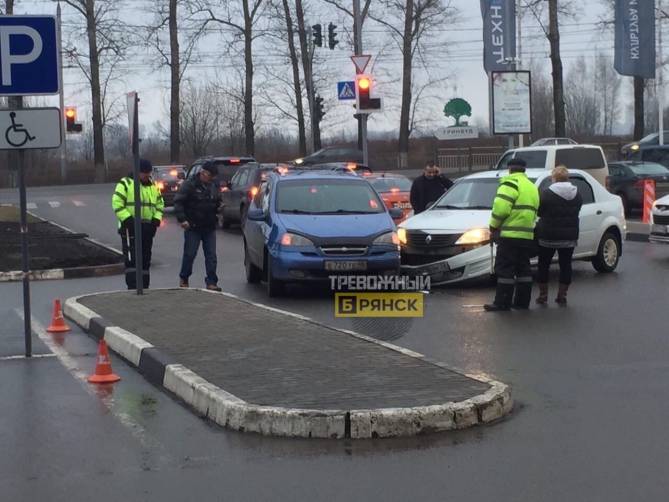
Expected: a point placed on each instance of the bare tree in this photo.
(199, 117)
(107, 42)
(307, 67)
(408, 22)
(251, 12)
(181, 27)
(607, 89)
(542, 101)
(582, 107)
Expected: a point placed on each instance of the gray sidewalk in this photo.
(236, 361)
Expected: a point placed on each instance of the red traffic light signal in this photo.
(363, 90)
(71, 120)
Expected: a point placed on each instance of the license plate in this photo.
(402, 205)
(437, 268)
(660, 229)
(345, 266)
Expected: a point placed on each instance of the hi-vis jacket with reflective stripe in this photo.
(123, 201)
(514, 211)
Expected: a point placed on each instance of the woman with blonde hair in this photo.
(557, 230)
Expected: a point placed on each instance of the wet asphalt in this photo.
(590, 382)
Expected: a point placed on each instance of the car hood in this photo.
(337, 225)
(448, 220)
(662, 201)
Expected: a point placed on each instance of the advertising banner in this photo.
(499, 34)
(635, 38)
(511, 102)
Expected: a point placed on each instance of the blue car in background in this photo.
(308, 225)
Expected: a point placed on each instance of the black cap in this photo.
(145, 166)
(211, 167)
(517, 163)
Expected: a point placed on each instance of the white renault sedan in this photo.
(659, 228)
(450, 241)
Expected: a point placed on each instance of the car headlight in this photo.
(390, 238)
(634, 147)
(402, 235)
(299, 161)
(474, 236)
(292, 240)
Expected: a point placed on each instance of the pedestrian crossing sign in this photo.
(346, 90)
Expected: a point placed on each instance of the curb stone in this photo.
(68, 273)
(228, 410)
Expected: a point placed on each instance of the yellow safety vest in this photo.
(515, 208)
(123, 201)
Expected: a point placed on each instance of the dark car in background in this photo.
(626, 180)
(331, 154)
(237, 193)
(168, 179)
(631, 150)
(227, 167)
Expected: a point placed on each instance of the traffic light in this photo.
(317, 32)
(332, 36)
(365, 103)
(319, 113)
(71, 120)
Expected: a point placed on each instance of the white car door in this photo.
(591, 216)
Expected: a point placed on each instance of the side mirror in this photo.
(255, 214)
(181, 175)
(395, 212)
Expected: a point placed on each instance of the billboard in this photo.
(511, 102)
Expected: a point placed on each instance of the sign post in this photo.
(29, 65)
(133, 122)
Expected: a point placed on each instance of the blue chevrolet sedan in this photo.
(308, 225)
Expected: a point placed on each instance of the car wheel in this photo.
(608, 253)
(274, 286)
(253, 273)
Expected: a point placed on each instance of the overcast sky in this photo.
(455, 63)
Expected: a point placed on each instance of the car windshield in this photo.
(327, 197)
(648, 168)
(533, 158)
(473, 193)
(395, 184)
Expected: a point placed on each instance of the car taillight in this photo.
(160, 185)
(252, 193)
(394, 190)
(235, 161)
(607, 183)
(174, 173)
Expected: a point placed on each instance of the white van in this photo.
(589, 158)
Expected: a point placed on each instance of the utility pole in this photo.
(309, 78)
(362, 117)
(519, 56)
(660, 79)
(63, 147)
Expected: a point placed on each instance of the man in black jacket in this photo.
(196, 206)
(427, 188)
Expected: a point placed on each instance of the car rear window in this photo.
(327, 197)
(391, 184)
(580, 158)
(648, 168)
(535, 159)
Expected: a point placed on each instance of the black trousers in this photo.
(514, 274)
(128, 247)
(564, 259)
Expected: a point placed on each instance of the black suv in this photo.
(237, 193)
(331, 154)
(227, 167)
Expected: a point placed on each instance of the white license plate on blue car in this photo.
(345, 266)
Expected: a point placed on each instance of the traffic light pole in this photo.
(362, 117)
(63, 126)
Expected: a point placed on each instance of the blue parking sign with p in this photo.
(29, 62)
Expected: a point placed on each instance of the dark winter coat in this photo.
(198, 204)
(425, 191)
(558, 224)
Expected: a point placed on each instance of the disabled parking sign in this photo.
(30, 128)
(29, 63)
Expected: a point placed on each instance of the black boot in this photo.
(503, 297)
(521, 300)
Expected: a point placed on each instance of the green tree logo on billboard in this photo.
(457, 108)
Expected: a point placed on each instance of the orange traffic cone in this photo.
(57, 321)
(103, 370)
